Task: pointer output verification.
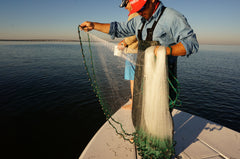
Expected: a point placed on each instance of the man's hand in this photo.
(155, 50)
(87, 26)
(122, 45)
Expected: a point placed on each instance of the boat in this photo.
(196, 138)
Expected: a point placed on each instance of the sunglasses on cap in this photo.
(124, 3)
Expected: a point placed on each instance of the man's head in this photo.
(145, 8)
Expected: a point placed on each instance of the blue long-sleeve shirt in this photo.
(171, 29)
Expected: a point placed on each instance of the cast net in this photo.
(149, 126)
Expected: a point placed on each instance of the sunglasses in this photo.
(124, 3)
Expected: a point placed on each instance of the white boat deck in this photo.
(196, 138)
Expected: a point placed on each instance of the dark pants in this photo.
(172, 75)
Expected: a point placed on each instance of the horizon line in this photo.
(63, 40)
(38, 40)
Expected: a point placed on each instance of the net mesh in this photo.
(153, 121)
(152, 134)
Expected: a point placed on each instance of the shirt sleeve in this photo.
(122, 29)
(184, 33)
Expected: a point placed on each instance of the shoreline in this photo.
(37, 40)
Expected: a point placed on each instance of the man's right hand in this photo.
(87, 26)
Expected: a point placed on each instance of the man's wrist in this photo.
(170, 50)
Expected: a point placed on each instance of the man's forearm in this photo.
(102, 27)
(88, 26)
(177, 50)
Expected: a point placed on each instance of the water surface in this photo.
(48, 108)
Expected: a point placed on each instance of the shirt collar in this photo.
(158, 11)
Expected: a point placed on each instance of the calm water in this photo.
(48, 109)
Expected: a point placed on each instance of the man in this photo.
(156, 25)
(174, 30)
(131, 44)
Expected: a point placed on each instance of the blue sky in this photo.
(214, 21)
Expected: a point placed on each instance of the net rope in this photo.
(90, 70)
(148, 146)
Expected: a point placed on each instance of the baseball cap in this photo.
(137, 5)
